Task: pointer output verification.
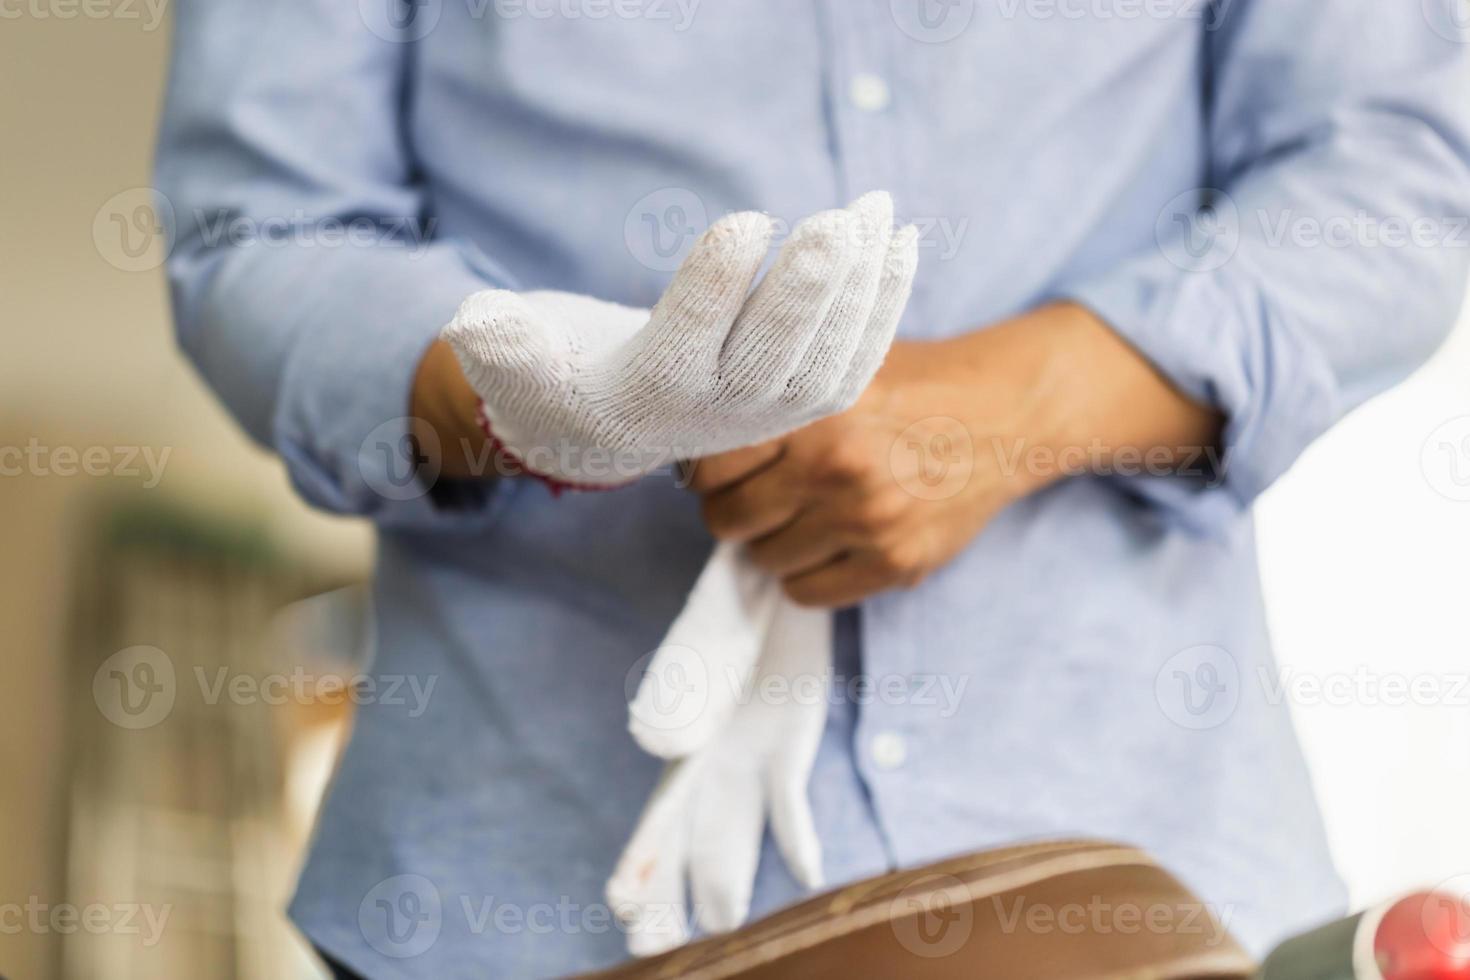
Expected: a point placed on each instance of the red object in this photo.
(1425, 937)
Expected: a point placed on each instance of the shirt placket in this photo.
(865, 98)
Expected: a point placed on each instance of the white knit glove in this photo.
(705, 820)
(591, 394)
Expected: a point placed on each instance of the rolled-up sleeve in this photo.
(1328, 257)
(304, 270)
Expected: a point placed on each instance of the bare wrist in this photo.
(443, 408)
(1057, 393)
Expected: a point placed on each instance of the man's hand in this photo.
(948, 434)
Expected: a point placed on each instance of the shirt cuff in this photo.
(342, 420)
(1213, 336)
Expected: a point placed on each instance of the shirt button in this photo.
(890, 750)
(870, 93)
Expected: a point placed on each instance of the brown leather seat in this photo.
(1062, 910)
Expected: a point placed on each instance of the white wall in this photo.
(1365, 550)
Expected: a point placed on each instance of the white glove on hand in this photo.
(706, 819)
(588, 393)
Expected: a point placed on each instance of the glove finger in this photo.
(824, 366)
(899, 268)
(693, 318)
(647, 888)
(659, 920)
(793, 824)
(798, 648)
(495, 333)
(703, 667)
(782, 317)
(725, 844)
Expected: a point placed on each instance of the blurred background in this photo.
(150, 549)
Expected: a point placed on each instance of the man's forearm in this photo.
(949, 433)
(1075, 391)
(1056, 380)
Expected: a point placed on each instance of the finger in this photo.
(725, 843)
(703, 667)
(899, 268)
(844, 581)
(782, 316)
(823, 368)
(805, 543)
(712, 473)
(755, 507)
(692, 321)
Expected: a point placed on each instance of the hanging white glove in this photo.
(702, 669)
(705, 820)
(587, 393)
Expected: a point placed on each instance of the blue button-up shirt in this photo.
(340, 175)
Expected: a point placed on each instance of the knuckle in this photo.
(720, 517)
(867, 516)
(914, 577)
(802, 594)
(762, 555)
(874, 512)
(702, 475)
(729, 514)
(888, 563)
(901, 564)
(846, 462)
(711, 473)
